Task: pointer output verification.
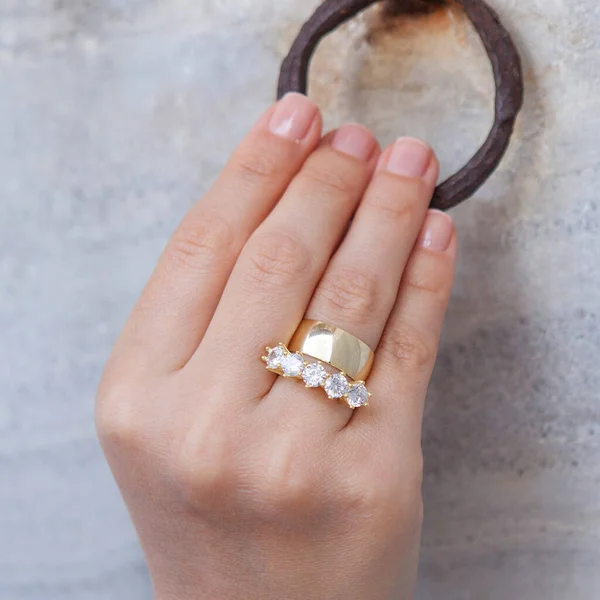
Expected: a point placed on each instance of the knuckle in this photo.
(385, 490)
(352, 295)
(259, 164)
(289, 493)
(285, 484)
(367, 495)
(277, 259)
(408, 346)
(400, 198)
(116, 417)
(395, 206)
(430, 274)
(201, 244)
(202, 466)
(291, 483)
(330, 183)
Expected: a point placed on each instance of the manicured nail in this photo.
(437, 231)
(293, 117)
(410, 158)
(354, 140)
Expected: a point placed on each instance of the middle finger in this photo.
(361, 283)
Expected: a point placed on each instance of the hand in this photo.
(246, 485)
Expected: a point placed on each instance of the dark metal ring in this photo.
(508, 76)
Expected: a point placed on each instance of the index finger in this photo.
(178, 302)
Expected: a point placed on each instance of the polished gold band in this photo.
(335, 347)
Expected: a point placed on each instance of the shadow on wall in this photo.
(489, 394)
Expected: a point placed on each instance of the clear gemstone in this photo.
(275, 356)
(336, 386)
(314, 375)
(357, 396)
(292, 365)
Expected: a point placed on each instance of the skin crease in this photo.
(245, 485)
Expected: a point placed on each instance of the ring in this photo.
(335, 347)
(337, 386)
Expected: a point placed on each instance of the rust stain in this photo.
(529, 76)
(409, 18)
(378, 50)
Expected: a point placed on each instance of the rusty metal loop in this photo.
(506, 66)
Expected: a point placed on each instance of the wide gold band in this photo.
(335, 347)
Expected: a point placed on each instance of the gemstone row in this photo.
(293, 364)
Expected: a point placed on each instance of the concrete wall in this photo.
(116, 114)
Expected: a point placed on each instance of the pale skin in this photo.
(242, 484)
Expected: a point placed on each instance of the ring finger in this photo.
(360, 285)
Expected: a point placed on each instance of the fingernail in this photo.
(410, 158)
(354, 140)
(293, 117)
(437, 231)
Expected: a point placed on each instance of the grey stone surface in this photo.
(116, 114)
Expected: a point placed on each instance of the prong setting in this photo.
(293, 365)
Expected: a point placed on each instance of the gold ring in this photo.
(335, 347)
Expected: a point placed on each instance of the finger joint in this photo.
(349, 294)
(202, 244)
(277, 259)
(408, 346)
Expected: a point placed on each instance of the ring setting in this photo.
(293, 365)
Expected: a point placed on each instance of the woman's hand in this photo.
(245, 485)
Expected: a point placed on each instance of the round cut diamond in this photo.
(337, 386)
(357, 396)
(292, 365)
(314, 375)
(275, 356)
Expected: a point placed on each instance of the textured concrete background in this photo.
(116, 114)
